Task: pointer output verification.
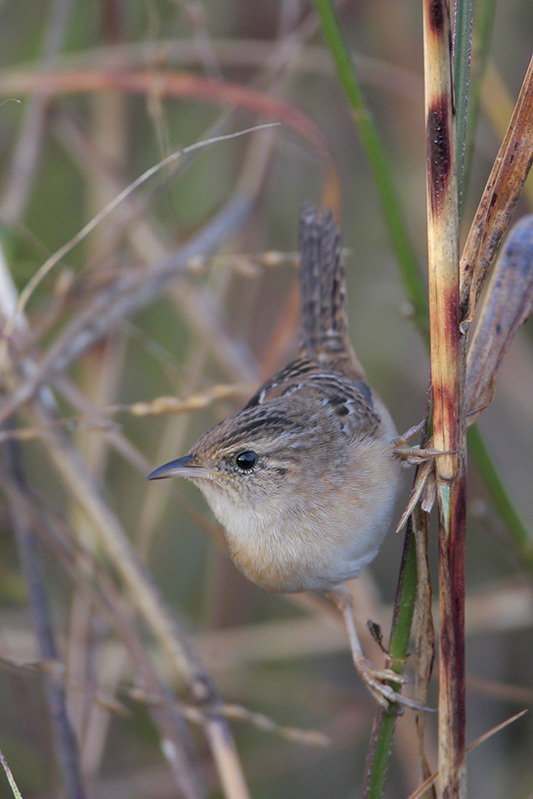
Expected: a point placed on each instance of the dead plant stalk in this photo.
(447, 370)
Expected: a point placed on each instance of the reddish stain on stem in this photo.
(436, 17)
(452, 622)
(451, 310)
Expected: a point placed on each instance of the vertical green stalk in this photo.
(482, 31)
(379, 751)
(462, 45)
(377, 157)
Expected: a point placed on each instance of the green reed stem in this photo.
(383, 730)
(378, 159)
(462, 54)
(482, 32)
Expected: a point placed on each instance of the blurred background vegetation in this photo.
(227, 322)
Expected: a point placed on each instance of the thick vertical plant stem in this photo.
(447, 370)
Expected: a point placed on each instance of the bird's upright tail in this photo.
(324, 333)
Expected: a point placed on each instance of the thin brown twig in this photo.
(146, 598)
(172, 640)
(427, 784)
(173, 84)
(104, 213)
(208, 322)
(121, 299)
(159, 406)
(508, 304)
(14, 484)
(243, 53)
(87, 571)
(235, 712)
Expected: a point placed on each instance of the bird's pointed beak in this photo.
(182, 467)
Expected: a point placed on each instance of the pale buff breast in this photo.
(317, 534)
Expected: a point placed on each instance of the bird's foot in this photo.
(376, 680)
(415, 455)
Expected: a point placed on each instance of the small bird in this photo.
(305, 477)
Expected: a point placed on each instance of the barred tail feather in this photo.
(324, 334)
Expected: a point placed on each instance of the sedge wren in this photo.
(304, 478)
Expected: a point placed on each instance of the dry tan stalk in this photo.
(507, 304)
(166, 405)
(235, 713)
(10, 778)
(144, 595)
(85, 570)
(114, 542)
(422, 790)
(447, 374)
(99, 376)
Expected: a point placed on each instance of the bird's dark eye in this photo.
(246, 460)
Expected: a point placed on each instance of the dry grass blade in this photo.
(507, 305)
(517, 694)
(113, 540)
(179, 84)
(121, 299)
(54, 259)
(164, 405)
(503, 188)
(35, 433)
(172, 640)
(430, 781)
(10, 778)
(421, 481)
(239, 713)
(173, 84)
(66, 745)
